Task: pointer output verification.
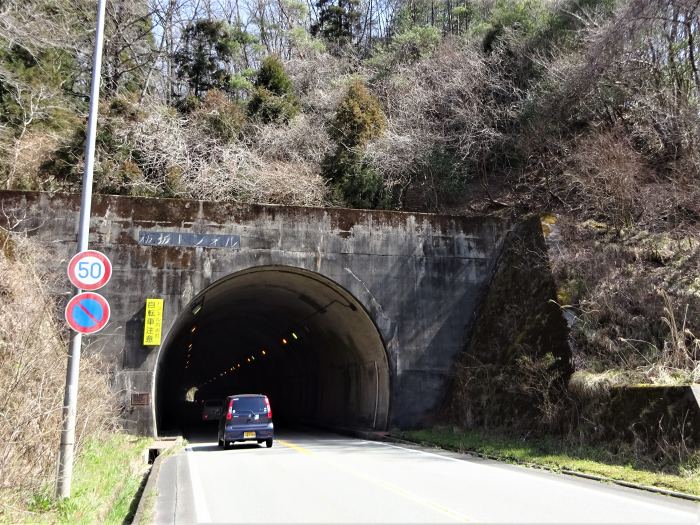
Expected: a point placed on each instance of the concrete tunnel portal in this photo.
(291, 334)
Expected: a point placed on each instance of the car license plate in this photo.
(247, 435)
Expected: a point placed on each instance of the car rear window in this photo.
(248, 404)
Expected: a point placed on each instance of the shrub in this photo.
(266, 107)
(358, 119)
(273, 99)
(607, 175)
(445, 128)
(189, 160)
(363, 187)
(272, 77)
(217, 114)
(355, 183)
(408, 46)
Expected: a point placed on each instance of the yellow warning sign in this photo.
(153, 323)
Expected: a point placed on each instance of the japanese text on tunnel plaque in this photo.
(153, 322)
(192, 240)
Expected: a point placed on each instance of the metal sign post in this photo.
(70, 398)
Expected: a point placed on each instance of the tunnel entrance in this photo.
(291, 334)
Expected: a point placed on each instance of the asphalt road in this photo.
(325, 478)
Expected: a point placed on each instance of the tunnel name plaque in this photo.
(189, 240)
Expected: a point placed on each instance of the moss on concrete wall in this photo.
(514, 368)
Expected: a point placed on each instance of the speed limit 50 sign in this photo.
(89, 270)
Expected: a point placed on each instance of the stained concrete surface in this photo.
(418, 277)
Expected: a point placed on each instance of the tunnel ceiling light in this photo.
(196, 308)
(193, 329)
(264, 353)
(238, 365)
(249, 359)
(252, 357)
(294, 335)
(284, 341)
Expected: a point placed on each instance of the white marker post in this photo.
(70, 398)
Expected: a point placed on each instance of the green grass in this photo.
(107, 476)
(557, 454)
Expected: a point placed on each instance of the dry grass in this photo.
(33, 348)
(25, 156)
(442, 119)
(607, 174)
(278, 167)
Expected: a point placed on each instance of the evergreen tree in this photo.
(338, 22)
(204, 61)
(273, 99)
(358, 119)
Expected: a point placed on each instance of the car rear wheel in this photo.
(227, 444)
(268, 443)
(221, 443)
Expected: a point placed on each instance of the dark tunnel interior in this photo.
(291, 334)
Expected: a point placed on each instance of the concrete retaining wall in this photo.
(419, 276)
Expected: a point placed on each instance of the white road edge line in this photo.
(422, 452)
(586, 487)
(200, 505)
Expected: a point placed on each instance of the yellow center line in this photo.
(384, 484)
(287, 444)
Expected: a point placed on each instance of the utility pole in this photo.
(70, 398)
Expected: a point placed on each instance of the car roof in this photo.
(245, 395)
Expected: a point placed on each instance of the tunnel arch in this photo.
(293, 334)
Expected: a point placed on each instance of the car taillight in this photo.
(269, 410)
(230, 408)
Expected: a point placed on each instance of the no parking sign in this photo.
(87, 312)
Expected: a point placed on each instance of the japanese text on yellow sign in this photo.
(153, 324)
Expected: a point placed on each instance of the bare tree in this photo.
(129, 46)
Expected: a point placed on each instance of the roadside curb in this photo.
(594, 477)
(149, 493)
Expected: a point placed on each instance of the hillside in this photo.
(586, 113)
